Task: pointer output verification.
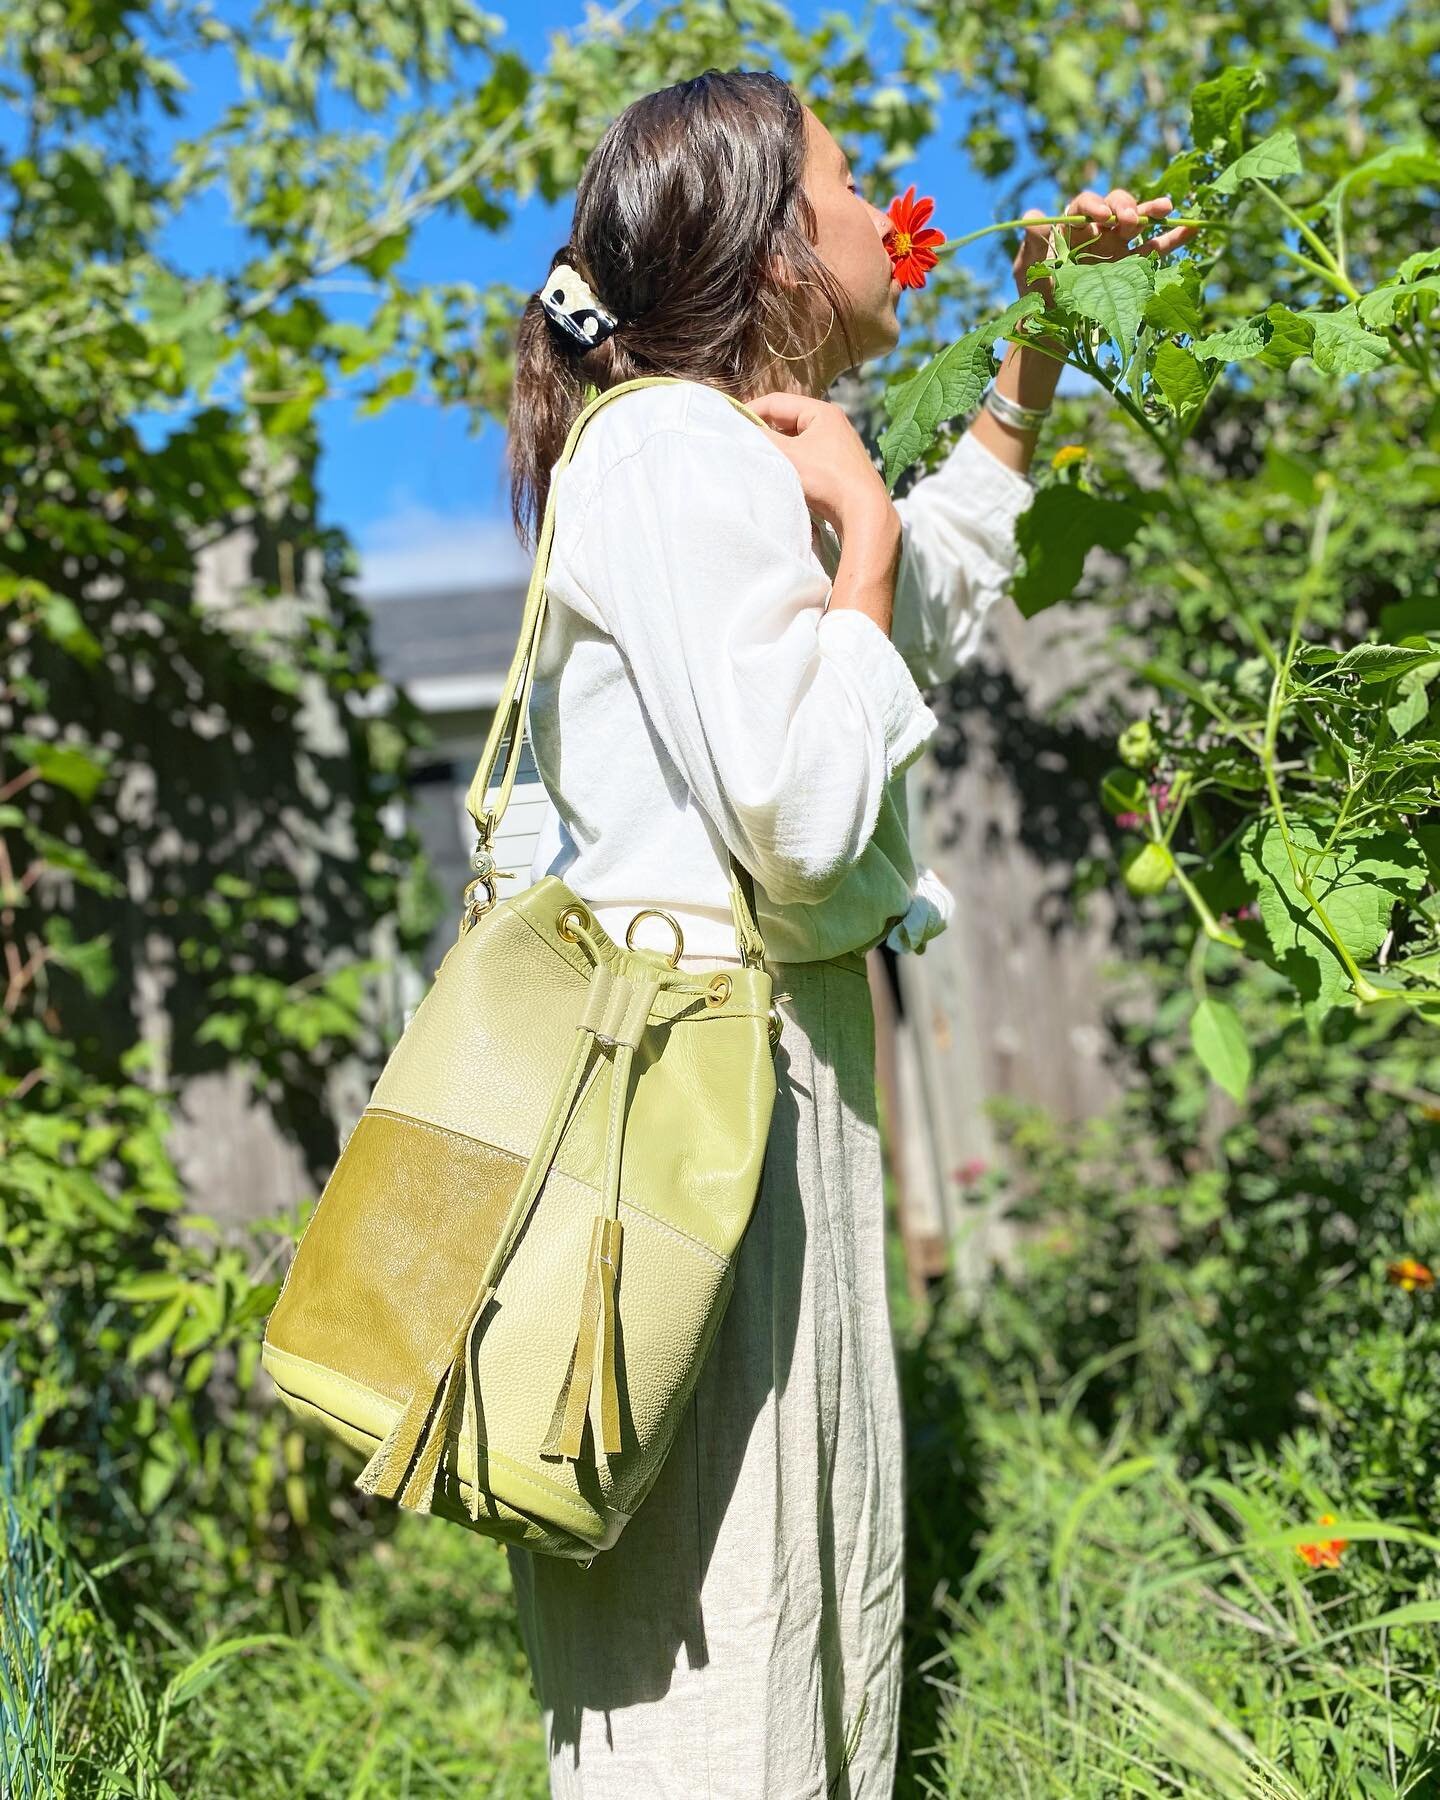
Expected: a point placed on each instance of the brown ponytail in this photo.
(685, 211)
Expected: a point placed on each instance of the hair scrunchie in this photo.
(570, 302)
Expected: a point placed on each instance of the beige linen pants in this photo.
(725, 1647)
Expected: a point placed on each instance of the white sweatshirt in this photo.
(692, 690)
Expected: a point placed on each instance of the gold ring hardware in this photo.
(580, 918)
(718, 990)
(482, 861)
(674, 958)
(776, 1022)
(471, 907)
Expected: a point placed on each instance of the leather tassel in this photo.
(472, 1413)
(596, 1330)
(421, 1431)
(610, 1235)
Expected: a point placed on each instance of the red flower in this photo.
(1409, 1274)
(910, 247)
(1326, 1554)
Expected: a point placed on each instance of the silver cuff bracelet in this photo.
(1009, 412)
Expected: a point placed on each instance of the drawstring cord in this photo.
(616, 1012)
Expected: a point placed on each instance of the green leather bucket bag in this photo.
(508, 1287)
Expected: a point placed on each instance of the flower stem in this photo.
(1170, 219)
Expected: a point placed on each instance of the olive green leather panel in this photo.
(698, 1077)
(427, 1206)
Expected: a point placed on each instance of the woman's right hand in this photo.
(842, 485)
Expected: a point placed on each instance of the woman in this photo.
(741, 622)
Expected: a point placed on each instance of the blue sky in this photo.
(422, 495)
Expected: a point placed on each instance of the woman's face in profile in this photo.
(850, 242)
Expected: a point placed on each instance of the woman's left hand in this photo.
(1107, 227)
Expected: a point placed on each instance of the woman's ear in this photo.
(779, 270)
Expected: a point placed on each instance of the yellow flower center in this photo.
(902, 243)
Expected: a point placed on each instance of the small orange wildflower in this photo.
(1409, 1275)
(1067, 454)
(1326, 1554)
(911, 254)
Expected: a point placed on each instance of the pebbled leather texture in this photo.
(458, 1308)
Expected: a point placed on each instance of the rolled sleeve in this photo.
(958, 556)
(904, 719)
(785, 720)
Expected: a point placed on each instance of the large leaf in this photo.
(1054, 535)
(1335, 340)
(1342, 344)
(1174, 306)
(1270, 160)
(1235, 343)
(1357, 885)
(948, 385)
(1112, 295)
(1180, 379)
(1379, 308)
(1419, 263)
(1218, 106)
(1382, 662)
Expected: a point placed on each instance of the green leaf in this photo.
(1112, 295)
(1412, 703)
(1219, 1042)
(90, 961)
(1055, 533)
(1357, 885)
(1379, 307)
(1174, 306)
(78, 771)
(154, 1284)
(1276, 336)
(1271, 159)
(1418, 263)
(1122, 791)
(1234, 344)
(159, 1330)
(1180, 378)
(1379, 662)
(1342, 344)
(61, 622)
(1289, 335)
(949, 384)
(1218, 106)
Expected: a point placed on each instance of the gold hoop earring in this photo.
(780, 354)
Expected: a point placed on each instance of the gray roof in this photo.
(462, 631)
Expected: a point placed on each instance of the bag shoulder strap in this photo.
(512, 707)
